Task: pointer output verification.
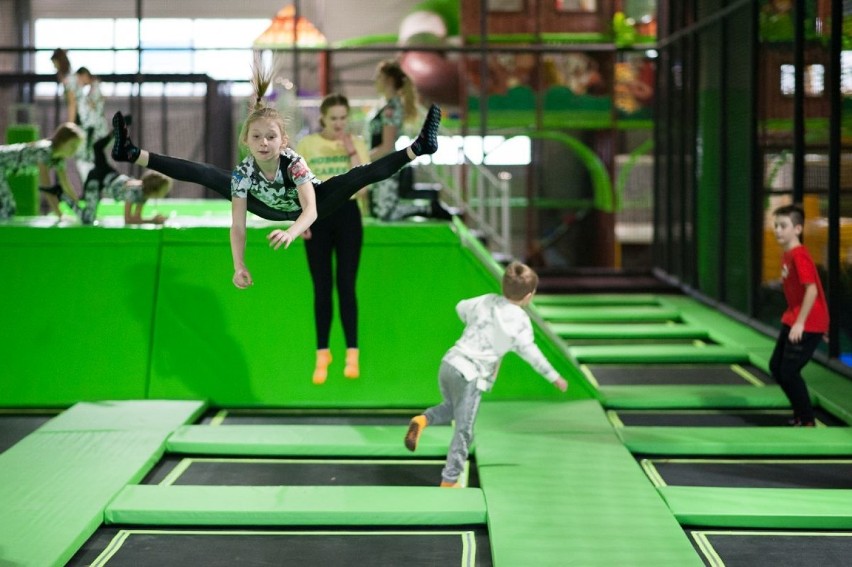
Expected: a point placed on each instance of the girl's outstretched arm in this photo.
(242, 277)
(308, 201)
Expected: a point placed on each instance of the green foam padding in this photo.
(307, 440)
(575, 314)
(801, 441)
(296, 505)
(57, 481)
(81, 300)
(263, 338)
(56, 485)
(596, 299)
(657, 354)
(144, 415)
(611, 331)
(723, 328)
(786, 508)
(690, 397)
(562, 489)
(102, 298)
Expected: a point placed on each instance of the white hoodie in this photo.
(493, 327)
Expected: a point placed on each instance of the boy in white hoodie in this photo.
(494, 325)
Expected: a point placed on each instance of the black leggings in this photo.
(340, 234)
(335, 190)
(786, 364)
(102, 167)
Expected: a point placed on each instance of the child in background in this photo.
(333, 244)
(494, 325)
(41, 156)
(104, 180)
(90, 115)
(805, 320)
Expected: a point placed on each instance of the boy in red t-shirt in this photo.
(805, 321)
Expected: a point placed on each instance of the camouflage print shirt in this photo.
(18, 159)
(280, 193)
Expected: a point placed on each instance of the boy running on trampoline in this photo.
(805, 320)
(494, 325)
(103, 179)
(273, 181)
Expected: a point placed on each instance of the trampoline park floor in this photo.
(714, 418)
(127, 546)
(288, 416)
(332, 545)
(771, 548)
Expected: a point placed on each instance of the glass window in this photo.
(576, 5)
(506, 6)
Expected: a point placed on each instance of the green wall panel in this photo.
(76, 305)
(256, 346)
(128, 313)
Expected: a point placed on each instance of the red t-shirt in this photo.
(798, 270)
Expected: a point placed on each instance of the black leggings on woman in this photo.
(340, 233)
(335, 190)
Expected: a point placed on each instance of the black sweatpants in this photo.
(335, 190)
(336, 239)
(786, 364)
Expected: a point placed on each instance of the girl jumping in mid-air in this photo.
(273, 181)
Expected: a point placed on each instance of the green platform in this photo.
(296, 506)
(764, 508)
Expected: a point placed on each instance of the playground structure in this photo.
(576, 78)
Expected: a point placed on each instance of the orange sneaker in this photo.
(351, 370)
(321, 371)
(445, 484)
(415, 428)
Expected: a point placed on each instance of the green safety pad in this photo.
(296, 505)
(576, 314)
(126, 415)
(723, 328)
(611, 331)
(691, 397)
(251, 348)
(81, 300)
(788, 508)
(307, 440)
(793, 441)
(56, 485)
(596, 299)
(57, 481)
(562, 489)
(656, 354)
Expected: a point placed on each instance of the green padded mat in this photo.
(657, 354)
(296, 505)
(639, 330)
(58, 480)
(597, 299)
(307, 440)
(629, 314)
(793, 441)
(793, 508)
(563, 490)
(692, 397)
